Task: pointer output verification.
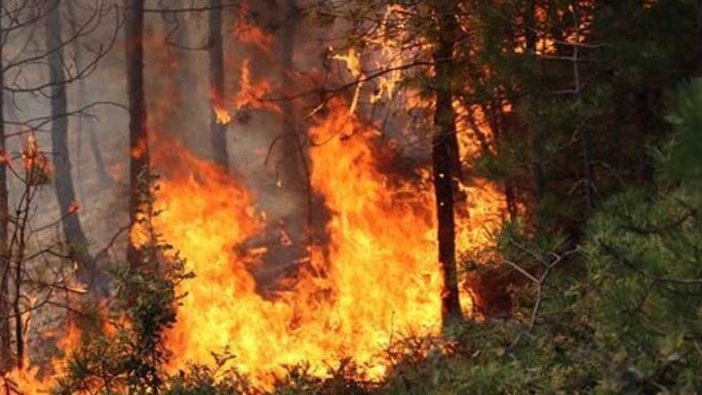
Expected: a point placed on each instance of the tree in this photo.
(23, 58)
(445, 157)
(132, 358)
(63, 181)
(138, 137)
(291, 152)
(5, 336)
(90, 126)
(218, 128)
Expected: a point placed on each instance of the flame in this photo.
(375, 279)
(252, 94)
(33, 158)
(250, 34)
(29, 381)
(139, 149)
(222, 116)
(378, 276)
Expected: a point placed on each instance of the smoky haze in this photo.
(265, 138)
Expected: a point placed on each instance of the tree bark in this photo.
(444, 152)
(5, 307)
(178, 121)
(218, 130)
(138, 139)
(292, 173)
(291, 161)
(63, 181)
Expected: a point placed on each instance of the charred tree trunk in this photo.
(138, 142)
(291, 161)
(218, 130)
(292, 167)
(444, 154)
(5, 307)
(63, 181)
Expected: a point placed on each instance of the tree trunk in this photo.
(291, 166)
(292, 156)
(178, 121)
(63, 181)
(292, 171)
(5, 308)
(218, 130)
(536, 136)
(138, 142)
(444, 152)
(105, 180)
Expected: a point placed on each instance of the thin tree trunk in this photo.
(5, 308)
(218, 130)
(138, 142)
(444, 152)
(63, 181)
(20, 238)
(538, 178)
(83, 98)
(176, 40)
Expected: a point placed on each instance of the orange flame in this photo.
(253, 94)
(377, 278)
(28, 381)
(222, 116)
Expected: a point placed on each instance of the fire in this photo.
(251, 34)
(222, 116)
(29, 381)
(376, 279)
(253, 94)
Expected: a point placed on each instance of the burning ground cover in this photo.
(206, 197)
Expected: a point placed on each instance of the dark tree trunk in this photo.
(291, 161)
(5, 307)
(536, 143)
(444, 154)
(218, 130)
(63, 181)
(292, 171)
(138, 142)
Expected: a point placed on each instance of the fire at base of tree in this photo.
(323, 197)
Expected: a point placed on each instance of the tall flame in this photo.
(377, 278)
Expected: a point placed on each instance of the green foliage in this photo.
(210, 380)
(622, 314)
(606, 298)
(130, 356)
(683, 161)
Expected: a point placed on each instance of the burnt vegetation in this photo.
(202, 197)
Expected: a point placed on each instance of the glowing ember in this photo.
(222, 116)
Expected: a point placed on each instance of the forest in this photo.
(214, 197)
